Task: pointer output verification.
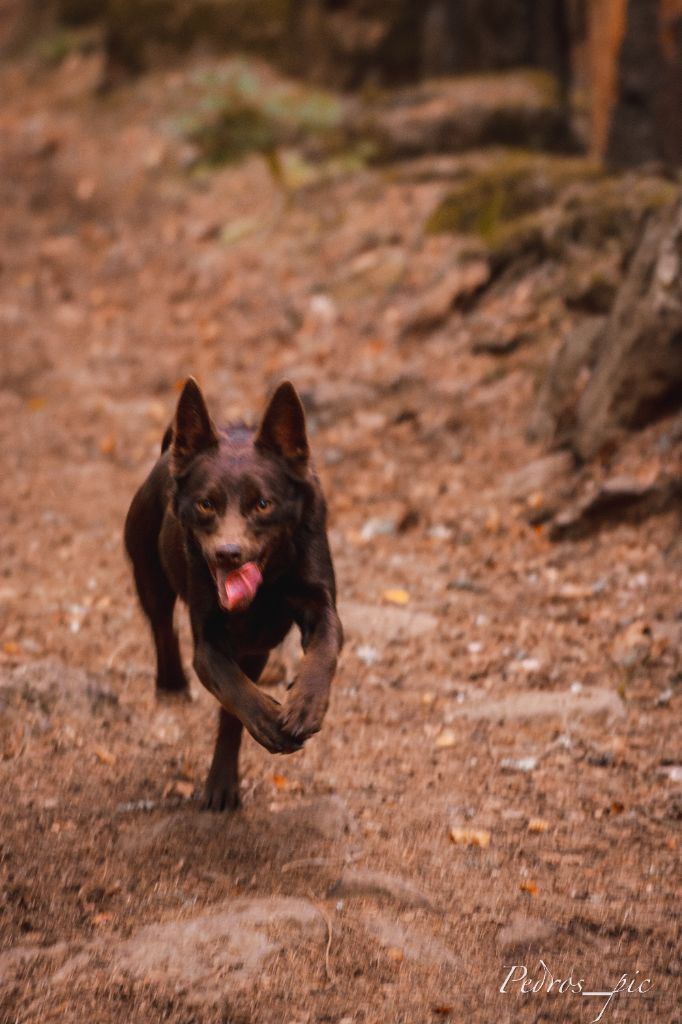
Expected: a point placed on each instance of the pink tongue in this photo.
(241, 586)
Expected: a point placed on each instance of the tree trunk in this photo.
(633, 363)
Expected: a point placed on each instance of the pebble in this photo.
(378, 527)
(519, 764)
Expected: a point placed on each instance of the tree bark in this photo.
(633, 363)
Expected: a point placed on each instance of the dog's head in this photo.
(240, 495)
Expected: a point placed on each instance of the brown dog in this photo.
(233, 522)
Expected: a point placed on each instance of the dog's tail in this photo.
(167, 438)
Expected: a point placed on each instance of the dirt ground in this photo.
(499, 778)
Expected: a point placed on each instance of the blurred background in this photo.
(457, 227)
(614, 64)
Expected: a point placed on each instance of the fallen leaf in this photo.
(177, 787)
(493, 521)
(11, 647)
(105, 756)
(103, 917)
(538, 825)
(107, 444)
(396, 596)
(470, 837)
(280, 781)
(35, 404)
(446, 739)
(529, 887)
(395, 954)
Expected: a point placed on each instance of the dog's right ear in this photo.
(193, 429)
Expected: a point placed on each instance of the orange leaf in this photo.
(470, 837)
(538, 825)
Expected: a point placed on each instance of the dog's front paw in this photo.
(267, 728)
(304, 711)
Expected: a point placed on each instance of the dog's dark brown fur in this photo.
(220, 498)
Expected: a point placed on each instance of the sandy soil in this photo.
(524, 700)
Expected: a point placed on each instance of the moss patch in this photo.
(518, 184)
(541, 205)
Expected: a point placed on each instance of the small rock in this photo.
(378, 527)
(541, 475)
(436, 305)
(368, 655)
(465, 583)
(439, 532)
(524, 933)
(385, 622)
(198, 954)
(601, 758)
(519, 764)
(589, 702)
(408, 943)
(358, 882)
(632, 646)
(609, 501)
(328, 817)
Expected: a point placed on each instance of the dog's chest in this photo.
(263, 626)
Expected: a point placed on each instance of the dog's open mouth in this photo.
(237, 589)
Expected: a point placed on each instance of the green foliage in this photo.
(239, 112)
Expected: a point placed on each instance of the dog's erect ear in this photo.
(282, 429)
(193, 429)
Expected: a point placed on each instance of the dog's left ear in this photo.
(193, 429)
(282, 430)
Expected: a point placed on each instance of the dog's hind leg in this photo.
(156, 595)
(222, 784)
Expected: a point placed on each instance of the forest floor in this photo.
(498, 781)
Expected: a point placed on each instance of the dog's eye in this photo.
(263, 504)
(205, 505)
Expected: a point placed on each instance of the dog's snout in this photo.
(229, 555)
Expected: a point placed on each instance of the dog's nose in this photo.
(228, 555)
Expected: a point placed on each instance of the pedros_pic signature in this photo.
(543, 980)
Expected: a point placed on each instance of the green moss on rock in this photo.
(518, 184)
(539, 206)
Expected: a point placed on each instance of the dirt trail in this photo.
(526, 696)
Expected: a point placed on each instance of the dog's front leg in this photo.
(308, 699)
(258, 712)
